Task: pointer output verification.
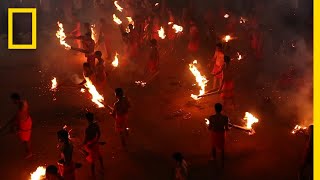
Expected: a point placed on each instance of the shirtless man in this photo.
(153, 62)
(76, 32)
(227, 86)
(104, 37)
(101, 76)
(218, 64)
(88, 46)
(218, 125)
(22, 122)
(194, 38)
(65, 164)
(91, 143)
(120, 113)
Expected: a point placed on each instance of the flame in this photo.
(130, 20)
(96, 97)
(201, 80)
(93, 33)
(115, 62)
(156, 4)
(119, 8)
(161, 33)
(38, 174)
(298, 128)
(207, 121)
(226, 16)
(62, 36)
(243, 20)
(239, 56)
(169, 23)
(54, 84)
(250, 120)
(116, 19)
(82, 90)
(227, 38)
(177, 28)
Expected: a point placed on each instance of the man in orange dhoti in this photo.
(91, 143)
(218, 64)
(194, 38)
(218, 125)
(120, 113)
(227, 85)
(23, 122)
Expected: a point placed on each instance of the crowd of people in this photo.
(148, 18)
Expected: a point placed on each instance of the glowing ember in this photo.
(96, 97)
(243, 20)
(250, 120)
(38, 174)
(115, 62)
(93, 33)
(62, 36)
(239, 56)
(82, 90)
(141, 83)
(116, 19)
(226, 16)
(298, 128)
(161, 33)
(227, 38)
(177, 28)
(54, 84)
(119, 8)
(201, 80)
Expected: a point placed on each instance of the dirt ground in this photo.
(163, 119)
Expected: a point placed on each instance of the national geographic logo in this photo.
(33, 12)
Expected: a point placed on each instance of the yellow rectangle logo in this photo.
(33, 12)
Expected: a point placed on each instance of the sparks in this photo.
(201, 80)
(96, 97)
(38, 174)
(226, 16)
(177, 28)
(115, 62)
(250, 120)
(116, 19)
(239, 56)
(119, 8)
(62, 36)
(298, 128)
(54, 84)
(161, 33)
(141, 83)
(156, 4)
(169, 23)
(93, 33)
(82, 90)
